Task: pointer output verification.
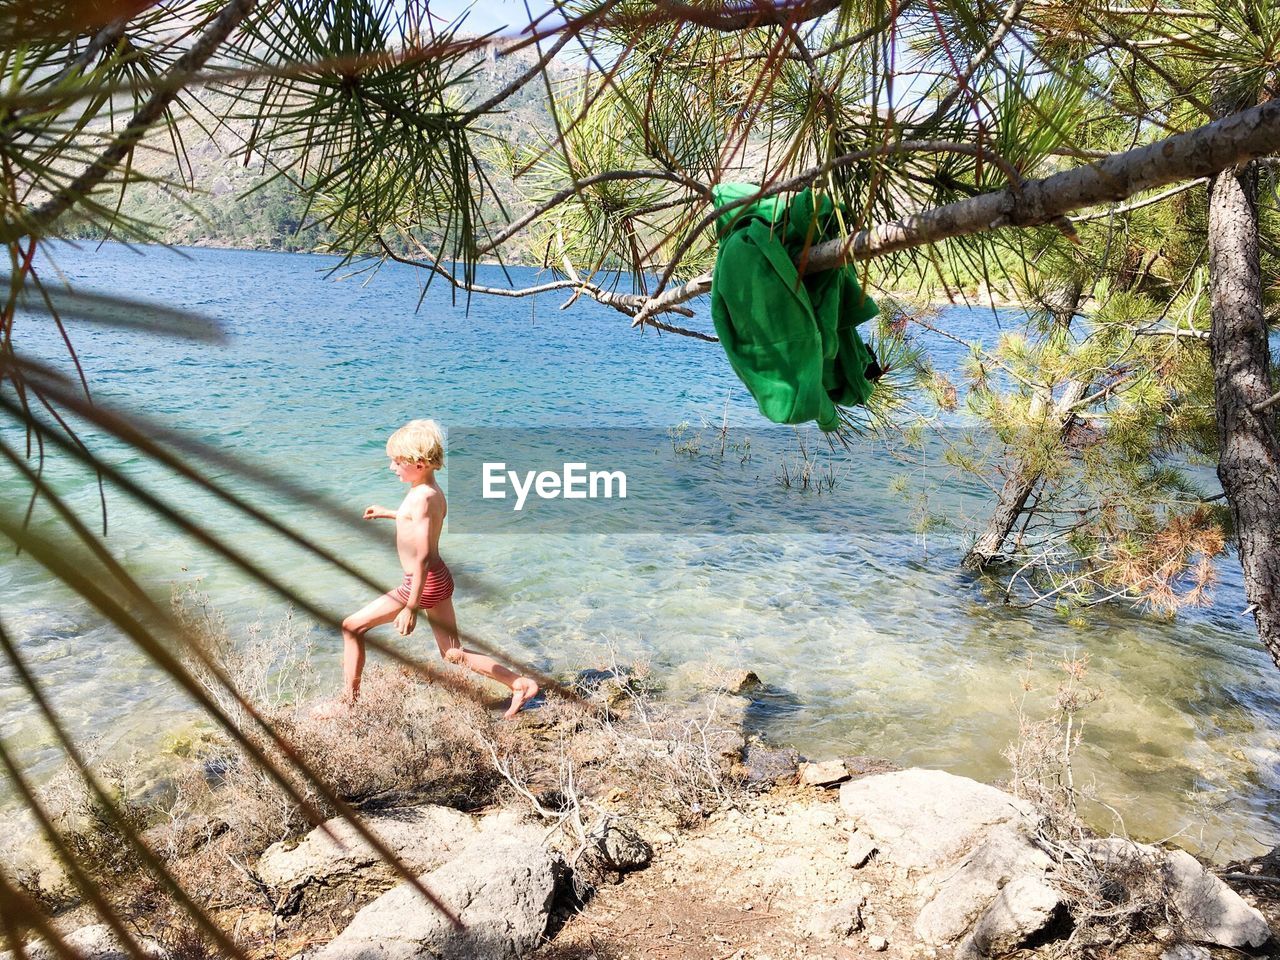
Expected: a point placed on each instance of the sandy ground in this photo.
(746, 886)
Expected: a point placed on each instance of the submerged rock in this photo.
(613, 686)
(742, 682)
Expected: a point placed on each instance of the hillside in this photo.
(210, 194)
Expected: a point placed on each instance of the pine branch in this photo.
(808, 177)
(1011, 14)
(577, 186)
(1206, 150)
(35, 220)
(1198, 153)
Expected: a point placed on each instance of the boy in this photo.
(417, 452)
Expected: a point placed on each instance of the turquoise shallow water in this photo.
(871, 639)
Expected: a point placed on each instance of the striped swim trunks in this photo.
(437, 588)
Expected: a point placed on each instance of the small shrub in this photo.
(96, 835)
(1115, 890)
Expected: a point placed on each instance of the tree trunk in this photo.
(1061, 302)
(1010, 503)
(1018, 484)
(1249, 456)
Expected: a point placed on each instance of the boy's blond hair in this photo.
(419, 440)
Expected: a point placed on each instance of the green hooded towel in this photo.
(792, 340)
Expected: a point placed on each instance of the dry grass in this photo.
(92, 835)
(404, 742)
(620, 763)
(597, 771)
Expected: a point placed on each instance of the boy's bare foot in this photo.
(522, 691)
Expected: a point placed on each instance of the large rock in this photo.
(964, 893)
(1024, 907)
(422, 837)
(96, 942)
(500, 889)
(926, 819)
(1209, 910)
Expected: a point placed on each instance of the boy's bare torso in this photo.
(423, 505)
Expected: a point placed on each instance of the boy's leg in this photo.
(444, 625)
(382, 610)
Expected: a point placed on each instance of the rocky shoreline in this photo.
(760, 856)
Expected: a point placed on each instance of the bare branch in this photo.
(1176, 333)
(1129, 208)
(627, 303)
(1267, 404)
(666, 301)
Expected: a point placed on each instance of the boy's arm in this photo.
(419, 536)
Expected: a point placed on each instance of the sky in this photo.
(486, 15)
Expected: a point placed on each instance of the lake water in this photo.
(871, 639)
